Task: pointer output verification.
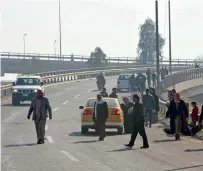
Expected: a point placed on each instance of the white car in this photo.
(25, 88)
(123, 82)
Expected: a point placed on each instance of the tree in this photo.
(97, 58)
(147, 42)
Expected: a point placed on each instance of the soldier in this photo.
(100, 116)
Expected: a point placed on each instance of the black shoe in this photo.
(145, 146)
(39, 141)
(101, 139)
(128, 145)
(42, 141)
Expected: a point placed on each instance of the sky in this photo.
(110, 24)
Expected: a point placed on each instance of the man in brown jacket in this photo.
(138, 117)
(39, 107)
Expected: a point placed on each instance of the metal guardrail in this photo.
(62, 76)
(85, 58)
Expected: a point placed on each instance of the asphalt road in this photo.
(66, 149)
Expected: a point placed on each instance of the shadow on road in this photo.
(194, 150)
(21, 145)
(183, 168)
(21, 105)
(166, 140)
(123, 149)
(91, 134)
(83, 142)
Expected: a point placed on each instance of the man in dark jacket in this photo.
(113, 94)
(149, 73)
(149, 105)
(154, 79)
(156, 100)
(39, 107)
(138, 118)
(100, 116)
(104, 93)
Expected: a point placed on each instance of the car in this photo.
(115, 115)
(25, 88)
(123, 82)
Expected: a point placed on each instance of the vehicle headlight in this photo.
(15, 91)
(35, 91)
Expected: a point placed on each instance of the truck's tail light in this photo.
(116, 112)
(87, 112)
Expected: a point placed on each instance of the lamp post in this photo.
(60, 29)
(169, 25)
(24, 43)
(55, 47)
(157, 46)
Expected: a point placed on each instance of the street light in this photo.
(169, 25)
(24, 43)
(157, 45)
(55, 47)
(60, 28)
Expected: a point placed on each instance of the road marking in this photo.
(90, 90)
(50, 139)
(46, 127)
(168, 154)
(70, 156)
(65, 102)
(76, 96)
(55, 109)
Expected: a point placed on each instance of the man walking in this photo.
(100, 116)
(138, 118)
(148, 102)
(39, 107)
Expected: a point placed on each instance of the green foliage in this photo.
(97, 58)
(147, 42)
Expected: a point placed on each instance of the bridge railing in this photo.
(127, 60)
(61, 76)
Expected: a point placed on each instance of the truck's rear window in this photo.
(110, 103)
(124, 77)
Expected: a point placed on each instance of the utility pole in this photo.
(55, 47)
(24, 43)
(60, 30)
(157, 46)
(169, 21)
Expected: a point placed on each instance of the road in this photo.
(66, 149)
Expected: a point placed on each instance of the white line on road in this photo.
(65, 102)
(76, 96)
(46, 127)
(70, 156)
(55, 109)
(50, 139)
(90, 90)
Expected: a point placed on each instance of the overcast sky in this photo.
(110, 24)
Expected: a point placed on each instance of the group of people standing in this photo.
(179, 114)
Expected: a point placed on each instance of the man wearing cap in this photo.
(39, 107)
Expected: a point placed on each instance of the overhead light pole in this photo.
(55, 47)
(169, 20)
(24, 43)
(60, 30)
(157, 45)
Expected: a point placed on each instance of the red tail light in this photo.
(87, 112)
(116, 112)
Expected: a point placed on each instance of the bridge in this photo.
(26, 63)
(66, 149)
